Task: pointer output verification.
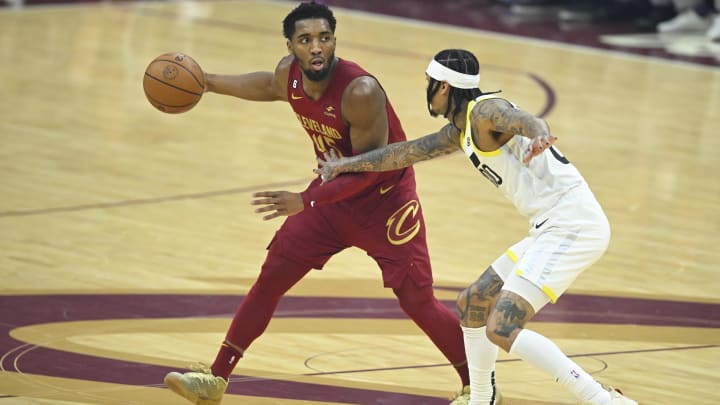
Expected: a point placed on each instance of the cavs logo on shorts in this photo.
(402, 225)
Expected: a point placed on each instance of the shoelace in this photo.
(200, 367)
(206, 375)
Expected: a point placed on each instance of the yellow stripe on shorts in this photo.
(512, 256)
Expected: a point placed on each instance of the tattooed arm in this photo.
(502, 120)
(391, 157)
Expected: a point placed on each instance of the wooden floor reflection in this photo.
(127, 238)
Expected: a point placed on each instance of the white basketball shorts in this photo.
(563, 241)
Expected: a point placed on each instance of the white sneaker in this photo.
(689, 21)
(713, 33)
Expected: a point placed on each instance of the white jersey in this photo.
(533, 188)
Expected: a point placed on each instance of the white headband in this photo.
(441, 72)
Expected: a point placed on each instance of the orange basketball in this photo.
(173, 82)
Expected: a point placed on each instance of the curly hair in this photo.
(306, 11)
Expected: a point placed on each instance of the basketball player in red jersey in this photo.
(344, 109)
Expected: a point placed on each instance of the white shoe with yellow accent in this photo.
(198, 386)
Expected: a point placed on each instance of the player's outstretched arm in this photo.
(391, 157)
(255, 86)
(508, 120)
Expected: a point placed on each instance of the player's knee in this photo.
(413, 299)
(503, 329)
(501, 334)
(473, 306)
(467, 308)
(278, 275)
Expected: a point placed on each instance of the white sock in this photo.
(481, 355)
(542, 353)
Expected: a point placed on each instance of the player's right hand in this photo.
(277, 203)
(538, 146)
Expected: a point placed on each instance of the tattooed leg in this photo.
(474, 303)
(507, 319)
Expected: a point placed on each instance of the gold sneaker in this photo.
(462, 397)
(198, 386)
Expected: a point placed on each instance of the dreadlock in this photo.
(461, 61)
(306, 11)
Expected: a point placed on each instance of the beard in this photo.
(320, 75)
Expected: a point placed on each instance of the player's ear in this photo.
(289, 45)
(444, 87)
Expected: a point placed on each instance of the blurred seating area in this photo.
(686, 17)
(687, 30)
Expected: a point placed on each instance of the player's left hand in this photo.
(328, 168)
(278, 203)
(538, 146)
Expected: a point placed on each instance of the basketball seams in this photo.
(172, 85)
(158, 102)
(170, 82)
(201, 84)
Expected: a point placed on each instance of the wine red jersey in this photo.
(322, 118)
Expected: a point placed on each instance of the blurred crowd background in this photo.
(687, 30)
(691, 17)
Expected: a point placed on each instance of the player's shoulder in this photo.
(351, 72)
(350, 65)
(363, 92)
(284, 64)
(282, 75)
(490, 104)
(364, 86)
(361, 87)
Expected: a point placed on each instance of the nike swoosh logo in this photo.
(537, 226)
(294, 97)
(384, 190)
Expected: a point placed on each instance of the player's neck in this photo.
(459, 120)
(315, 89)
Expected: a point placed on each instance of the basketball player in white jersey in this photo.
(569, 231)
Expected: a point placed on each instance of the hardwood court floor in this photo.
(127, 240)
